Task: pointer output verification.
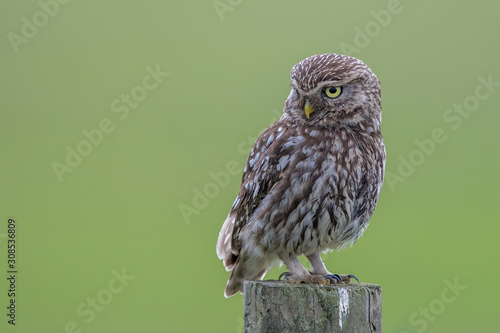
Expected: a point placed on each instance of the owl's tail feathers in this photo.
(224, 248)
(245, 268)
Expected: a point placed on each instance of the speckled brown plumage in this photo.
(311, 181)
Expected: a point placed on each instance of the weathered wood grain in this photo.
(274, 306)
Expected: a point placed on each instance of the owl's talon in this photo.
(335, 278)
(284, 275)
(341, 279)
(348, 277)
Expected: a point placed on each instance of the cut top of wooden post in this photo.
(274, 306)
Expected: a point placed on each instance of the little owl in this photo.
(312, 179)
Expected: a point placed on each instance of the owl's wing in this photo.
(264, 167)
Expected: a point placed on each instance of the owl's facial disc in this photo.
(328, 91)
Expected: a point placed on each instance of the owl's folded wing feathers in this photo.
(263, 170)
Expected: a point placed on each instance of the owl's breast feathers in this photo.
(304, 189)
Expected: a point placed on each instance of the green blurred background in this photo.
(228, 63)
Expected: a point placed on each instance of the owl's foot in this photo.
(333, 278)
(318, 279)
(345, 279)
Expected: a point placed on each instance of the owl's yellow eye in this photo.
(333, 92)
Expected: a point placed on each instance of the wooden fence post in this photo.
(277, 307)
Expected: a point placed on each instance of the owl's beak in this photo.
(308, 109)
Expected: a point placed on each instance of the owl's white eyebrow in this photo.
(320, 86)
(330, 83)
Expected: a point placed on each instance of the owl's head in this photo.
(332, 90)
